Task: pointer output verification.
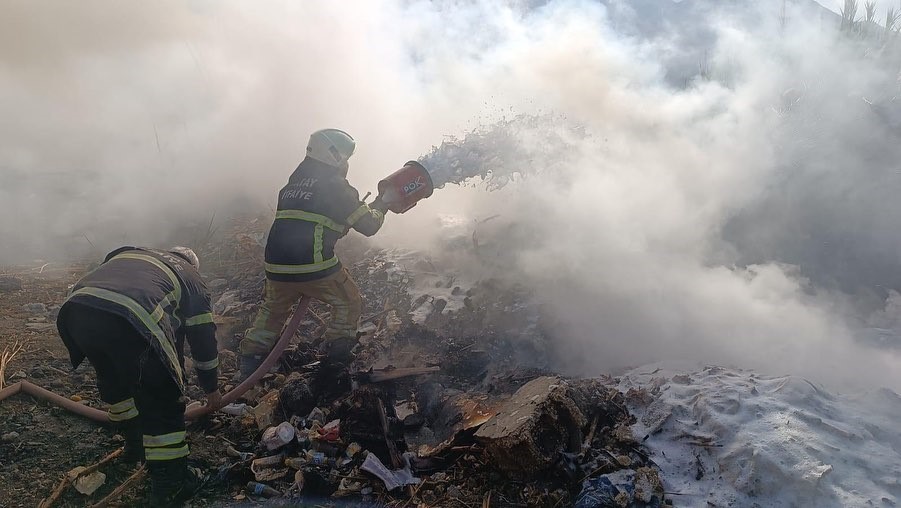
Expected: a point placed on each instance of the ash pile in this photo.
(450, 402)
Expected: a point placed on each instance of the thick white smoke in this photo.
(123, 121)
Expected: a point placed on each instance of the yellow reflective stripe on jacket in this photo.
(317, 243)
(210, 365)
(310, 217)
(145, 318)
(200, 319)
(172, 438)
(166, 453)
(358, 214)
(176, 283)
(160, 310)
(311, 268)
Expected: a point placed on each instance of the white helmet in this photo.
(331, 146)
(187, 254)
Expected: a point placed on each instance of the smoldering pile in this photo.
(441, 407)
(496, 153)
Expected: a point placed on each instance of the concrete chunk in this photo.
(529, 430)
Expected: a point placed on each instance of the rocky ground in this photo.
(450, 402)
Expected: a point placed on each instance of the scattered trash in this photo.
(297, 486)
(316, 415)
(454, 400)
(268, 468)
(352, 450)
(391, 479)
(330, 431)
(88, 483)
(622, 488)
(276, 437)
(231, 452)
(235, 409)
(262, 413)
(261, 489)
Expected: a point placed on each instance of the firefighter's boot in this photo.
(172, 482)
(333, 377)
(247, 365)
(134, 441)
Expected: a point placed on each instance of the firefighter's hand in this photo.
(214, 399)
(379, 205)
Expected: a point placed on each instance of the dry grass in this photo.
(870, 12)
(849, 15)
(9, 353)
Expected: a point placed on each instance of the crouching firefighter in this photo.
(130, 318)
(316, 208)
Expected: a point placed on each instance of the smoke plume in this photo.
(726, 191)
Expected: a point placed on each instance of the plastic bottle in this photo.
(262, 489)
(320, 459)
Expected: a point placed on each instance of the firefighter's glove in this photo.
(379, 204)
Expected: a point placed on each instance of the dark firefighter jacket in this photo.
(315, 209)
(163, 297)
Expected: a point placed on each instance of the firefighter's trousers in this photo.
(132, 378)
(337, 290)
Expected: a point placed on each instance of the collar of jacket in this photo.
(118, 251)
(311, 167)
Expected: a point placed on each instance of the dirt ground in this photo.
(50, 440)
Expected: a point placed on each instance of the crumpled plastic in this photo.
(391, 479)
(612, 490)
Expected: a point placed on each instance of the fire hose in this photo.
(191, 414)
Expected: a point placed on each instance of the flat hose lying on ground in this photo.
(191, 414)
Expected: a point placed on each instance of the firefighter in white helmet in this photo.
(316, 208)
(130, 318)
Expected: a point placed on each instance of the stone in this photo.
(8, 283)
(227, 303)
(40, 327)
(9, 437)
(53, 311)
(217, 284)
(35, 308)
